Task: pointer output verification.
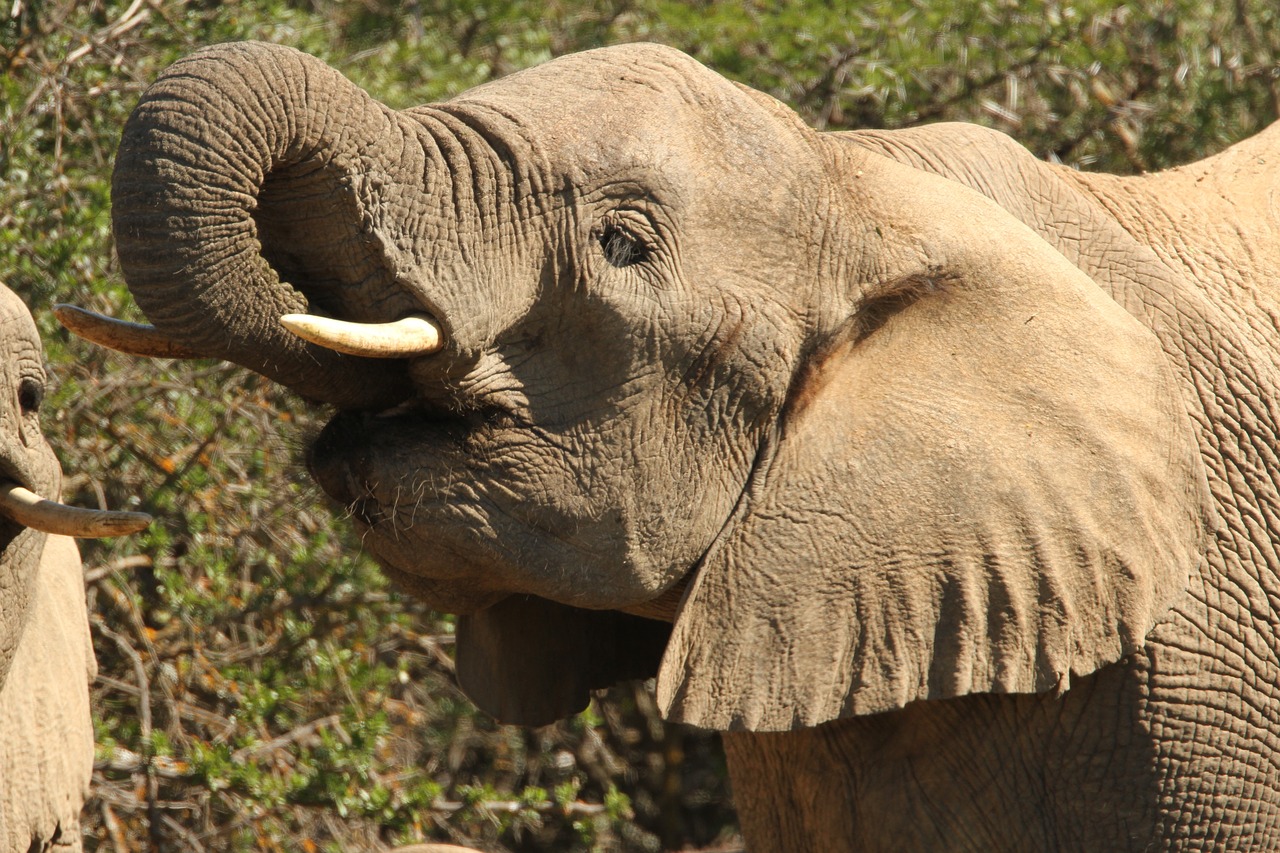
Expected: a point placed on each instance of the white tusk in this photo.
(410, 336)
(129, 338)
(30, 510)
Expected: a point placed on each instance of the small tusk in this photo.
(30, 510)
(129, 338)
(410, 336)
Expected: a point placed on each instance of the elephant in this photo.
(941, 480)
(46, 656)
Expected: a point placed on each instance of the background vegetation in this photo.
(261, 687)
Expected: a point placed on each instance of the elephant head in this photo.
(30, 479)
(861, 436)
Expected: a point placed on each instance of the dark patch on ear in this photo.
(886, 301)
(892, 298)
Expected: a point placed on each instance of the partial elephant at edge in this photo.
(46, 654)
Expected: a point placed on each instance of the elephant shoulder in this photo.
(988, 161)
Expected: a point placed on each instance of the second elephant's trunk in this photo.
(244, 189)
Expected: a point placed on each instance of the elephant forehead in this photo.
(14, 314)
(605, 83)
(18, 332)
(628, 106)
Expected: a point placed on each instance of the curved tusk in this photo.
(417, 334)
(129, 338)
(30, 510)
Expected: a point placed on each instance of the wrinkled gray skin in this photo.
(46, 656)
(950, 471)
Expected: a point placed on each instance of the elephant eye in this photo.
(621, 247)
(30, 395)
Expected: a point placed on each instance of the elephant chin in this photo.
(443, 596)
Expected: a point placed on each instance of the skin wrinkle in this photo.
(707, 359)
(456, 161)
(491, 187)
(533, 191)
(235, 153)
(512, 508)
(947, 816)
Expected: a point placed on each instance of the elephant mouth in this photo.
(353, 455)
(341, 471)
(441, 497)
(347, 458)
(354, 459)
(14, 475)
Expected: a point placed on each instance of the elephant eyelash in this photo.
(621, 247)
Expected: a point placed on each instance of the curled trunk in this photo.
(244, 189)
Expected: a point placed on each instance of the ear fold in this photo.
(987, 484)
(529, 661)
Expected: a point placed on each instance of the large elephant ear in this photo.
(988, 483)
